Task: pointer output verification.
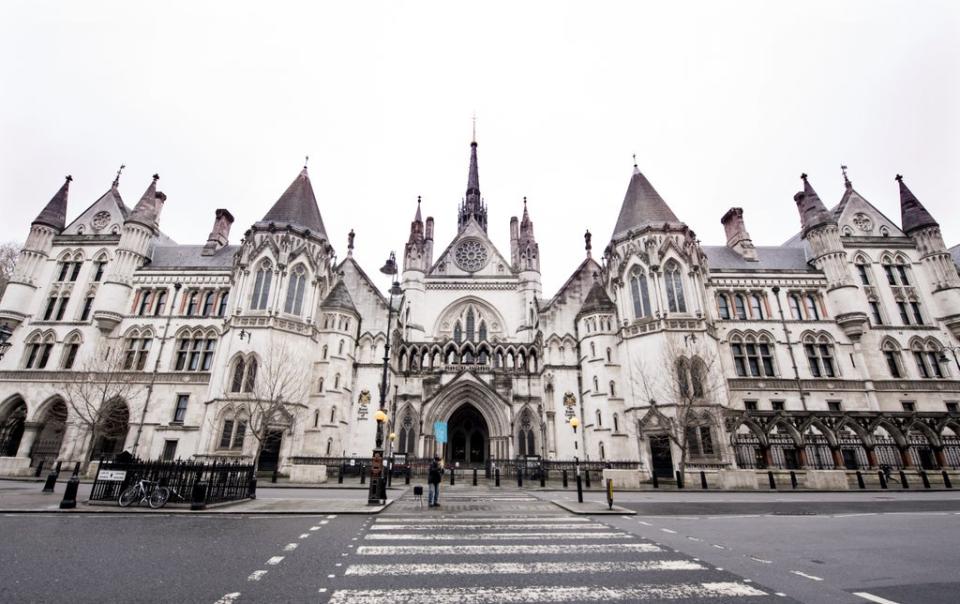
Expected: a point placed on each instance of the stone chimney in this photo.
(220, 235)
(738, 239)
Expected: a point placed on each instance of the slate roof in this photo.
(955, 252)
(191, 256)
(812, 211)
(298, 207)
(597, 300)
(913, 215)
(54, 214)
(720, 257)
(339, 297)
(642, 205)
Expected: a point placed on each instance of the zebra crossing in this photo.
(443, 559)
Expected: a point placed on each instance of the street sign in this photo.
(112, 475)
(440, 432)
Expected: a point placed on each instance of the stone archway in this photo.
(12, 426)
(468, 392)
(468, 436)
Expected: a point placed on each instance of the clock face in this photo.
(471, 255)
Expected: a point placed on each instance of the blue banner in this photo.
(440, 432)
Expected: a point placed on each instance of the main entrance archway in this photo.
(469, 437)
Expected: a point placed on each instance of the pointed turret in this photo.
(339, 298)
(597, 300)
(419, 247)
(812, 211)
(147, 210)
(642, 206)
(912, 213)
(472, 206)
(297, 207)
(54, 214)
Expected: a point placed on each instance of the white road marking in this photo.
(873, 598)
(853, 515)
(434, 527)
(289, 547)
(506, 550)
(718, 546)
(322, 590)
(644, 523)
(314, 528)
(331, 516)
(805, 575)
(669, 531)
(781, 594)
(544, 593)
(761, 560)
(518, 568)
(228, 598)
(256, 575)
(694, 539)
(491, 536)
(324, 522)
(331, 576)
(420, 520)
(304, 535)
(275, 560)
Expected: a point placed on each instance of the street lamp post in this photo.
(5, 333)
(953, 350)
(574, 422)
(378, 486)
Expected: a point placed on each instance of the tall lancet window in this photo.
(298, 279)
(471, 323)
(674, 282)
(261, 287)
(641, 293)
(457, 333)
(483, 331)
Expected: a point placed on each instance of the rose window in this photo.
(471, 255)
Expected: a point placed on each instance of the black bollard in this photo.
(579, 489)
(252, 486)
(406, 479)
(543, 477)
(52, 478)
(656, 481)
(586, 477)
(474, 477)
(343, 468)
(773, 482)
(564, 479)
(198, 497)
(860, 482)
(883, 479)
(903, 480)
(679, 480)
(390, 476)
(793, 479)
(453, 476)
(946, 480)
(925, 479)
(497, 475)
(69, 500)
(363, 475)
(519, 476)
(39, 469)
(703, 480)
(273, 477)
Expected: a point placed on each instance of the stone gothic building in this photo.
(836, 349)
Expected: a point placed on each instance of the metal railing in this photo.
(222, 481)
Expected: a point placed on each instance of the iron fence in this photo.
(419, 466)
(223, 481)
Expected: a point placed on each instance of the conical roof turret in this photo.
(913, 215)
(147, 210)
(642, 206)
(297, 207)
(812, 211)
(54, 214)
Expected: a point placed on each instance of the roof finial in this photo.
(306, 160)
(589, 246)
(474, 139)
(636, 169)
(899, 177)
(156, 177)
(846, 179)
(803, 177)
(116, 180)
(69, 178)
(350, 237)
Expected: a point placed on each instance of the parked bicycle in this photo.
(137, 493)
(161, 495)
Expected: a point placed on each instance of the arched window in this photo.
(813, 310)
(698, 374)
(208, 299)
(674, 284)
(340, 348)
(741, 307)
(526, 443)
(820, 356)
(298, 280)
(261, 287)
(146, 297)
(603, 451)
(927, 359)
(316, 418)
(752, 356)
(599, 419)
(723, 306)
(891, 354)
(640, 293)
(796, 312)
(320, 385)
(863, 271)
(195, 351)
(483, 331)
(161, 304)
(683, 377)
(222, 307)
(596, 384)
(232, 432)
(613, 388)
(329, 446)
(406, 439)
(70, 350)
(251, 378)
(236, 384)
(616, 422)
(137, 349)
(323, 354)
(756, 307)
(333, 415)
(609, 355)
(593, 350)
(457, 333)
(470, 325)
(192, 303)
(336, 382)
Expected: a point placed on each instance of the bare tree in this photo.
(9, 252)
(97, 393)
(277, 393)
(685, 377)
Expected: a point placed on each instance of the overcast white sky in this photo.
(723, 103)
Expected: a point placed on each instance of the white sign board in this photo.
(112, 475)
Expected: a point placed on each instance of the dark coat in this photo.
(433, 477)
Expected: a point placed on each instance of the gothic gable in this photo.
(105, 216)
(857, 217)
(471, 254)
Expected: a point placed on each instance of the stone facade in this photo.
(832, 350)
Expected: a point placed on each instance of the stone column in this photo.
(871, 457)
(30, 432)
(837, 458)
(941, 457)
(905, 456)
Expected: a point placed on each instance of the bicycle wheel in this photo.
(159, 497)
(130, 496)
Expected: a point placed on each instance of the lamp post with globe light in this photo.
(378, 486)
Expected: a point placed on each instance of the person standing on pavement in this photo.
(433, 482)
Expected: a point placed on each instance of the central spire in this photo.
(473, 206)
